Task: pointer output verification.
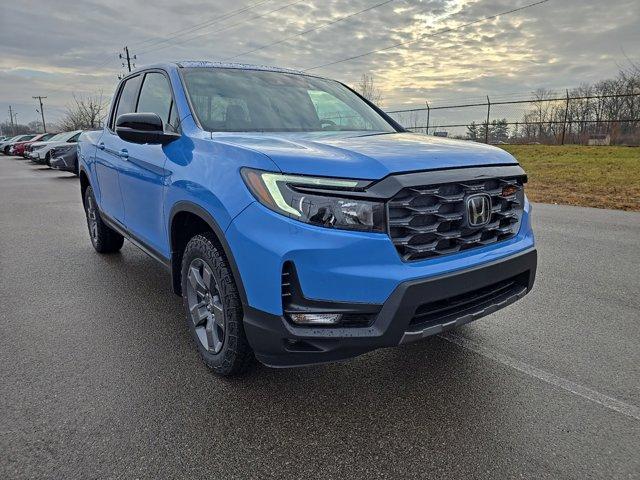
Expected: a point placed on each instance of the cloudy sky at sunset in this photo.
(57, 48)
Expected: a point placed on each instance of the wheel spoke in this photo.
(196, 281)
(218, 313)
(214, 337)
(206, 276)
(199, 313)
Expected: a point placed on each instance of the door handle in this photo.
(124, 153)
(101, 145)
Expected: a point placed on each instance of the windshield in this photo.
(57, 136)
(233, 100)
(61, 137)
(68, 135)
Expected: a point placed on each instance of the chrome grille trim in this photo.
(430, 221)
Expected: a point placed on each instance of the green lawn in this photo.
(603, 177)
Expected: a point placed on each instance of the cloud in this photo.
(58, 48)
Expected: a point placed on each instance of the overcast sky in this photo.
(60, 47)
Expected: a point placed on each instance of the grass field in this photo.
(602, 177)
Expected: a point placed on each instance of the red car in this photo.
(19, 149)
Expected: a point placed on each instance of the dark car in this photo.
(65, 157)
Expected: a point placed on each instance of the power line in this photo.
(224, 28)
(44, 125)
(435, 34)
(332, 22)
(212, 21)
(155, 41)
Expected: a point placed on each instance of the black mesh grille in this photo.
(431, 221)
(447, 309)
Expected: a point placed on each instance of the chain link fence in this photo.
(548, 118)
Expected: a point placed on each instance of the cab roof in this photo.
(226, 65)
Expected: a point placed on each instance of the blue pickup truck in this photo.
(299, 222)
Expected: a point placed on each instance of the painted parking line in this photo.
(550, 378)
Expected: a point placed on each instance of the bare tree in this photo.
(368, 89)
(86, 112)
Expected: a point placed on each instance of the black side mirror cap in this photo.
(143, 128)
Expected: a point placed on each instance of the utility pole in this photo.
(13, 129)
(428, 115)
(128, 58)
(44, 126)
(486, 132)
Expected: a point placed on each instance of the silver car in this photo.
(6, 144)
(41, 151)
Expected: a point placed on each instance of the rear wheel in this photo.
(213, 308)
(103, 238)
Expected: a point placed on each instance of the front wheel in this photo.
(103, 238)
(213, 307)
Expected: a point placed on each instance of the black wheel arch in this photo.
(84, 181)
(196, 210)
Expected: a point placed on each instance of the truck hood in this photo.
(365, 156)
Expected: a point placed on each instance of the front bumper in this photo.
(346, 271)
(416, 309)
(65, 162)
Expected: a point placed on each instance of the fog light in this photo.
(315, 318)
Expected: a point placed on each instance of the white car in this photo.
(6, 144)
(41, 151)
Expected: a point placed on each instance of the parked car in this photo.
(65, 157)
(300, 223)
(7, 141)
(7, 144)
(19, 147)
(41, 151)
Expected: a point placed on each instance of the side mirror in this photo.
(143, 128)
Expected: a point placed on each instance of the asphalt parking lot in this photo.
(100, 379)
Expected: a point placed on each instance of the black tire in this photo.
(235, 355)
(103, 238)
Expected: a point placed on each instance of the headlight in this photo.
(293, 196)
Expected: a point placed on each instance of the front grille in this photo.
(431, 221)
(449, 309)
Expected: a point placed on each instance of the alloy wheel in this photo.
(92, 218)
(205, 305)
